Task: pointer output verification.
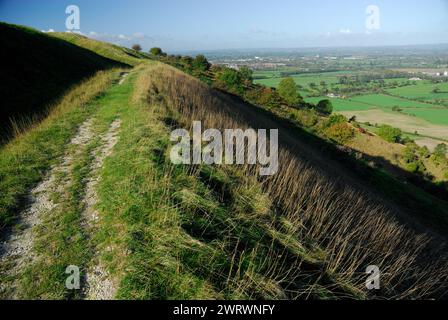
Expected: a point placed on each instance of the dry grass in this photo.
(354, 228)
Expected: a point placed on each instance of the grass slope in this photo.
(38, 70)
(107, 50)
(26, 158)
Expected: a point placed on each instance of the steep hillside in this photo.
(106, 198)
(93, 187)
(37, 70)
(107, 50)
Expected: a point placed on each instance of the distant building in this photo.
(415, 79)
(445, 73)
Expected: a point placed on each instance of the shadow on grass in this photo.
(37, 70)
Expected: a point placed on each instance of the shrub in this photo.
(340, 132)
(287, 89)
(324, 106)
(412, 161)
(306, 118)
(335, 119)
(201, 63)
(246, 75)
(389, 133)
(424, 152)
(264, 96)
(230, 80)
(156, 52)
(441, 150)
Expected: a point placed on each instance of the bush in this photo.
(264, 96)
(335, 119)
(306, 118)
(340, 132)
(287, 89)
(246, 75)
(201, 63)
(325, 107)
(441, 150)
(389, 133)
(413, 163)
(230, 80)
(156, 52)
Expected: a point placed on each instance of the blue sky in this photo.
(178, 25)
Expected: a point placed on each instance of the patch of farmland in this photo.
(342, 104)
(303, 79)
(404, 122)
(434, 115)
(422, 90)
(384, 101)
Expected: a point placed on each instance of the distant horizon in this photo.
(242, 49)
(317, 47)
(192, 25)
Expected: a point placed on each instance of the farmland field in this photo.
(404, 122)
(380, 100)
(419, 108)
(422, 90)
(343, 104)
(274, 78)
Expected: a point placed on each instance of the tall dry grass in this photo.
(354, 227)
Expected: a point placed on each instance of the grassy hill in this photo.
(93, 186)
(39, 69)
(107, 50)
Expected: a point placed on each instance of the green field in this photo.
(426, 114)
(422, 90)
(301, 79)
(436, 116)
(380, 100)
(343, 104)
(372, 101)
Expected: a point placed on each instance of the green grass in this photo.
(69, 242)
(302, 79)
(343, 104)
(194, 233)
(435, 116)
(107, 50)
(422, 90)
(432, 113)
(384, 101)
(24, 160)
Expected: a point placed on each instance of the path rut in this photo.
(16, 248)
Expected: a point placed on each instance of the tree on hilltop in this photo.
(156, 51)
(137, 47)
